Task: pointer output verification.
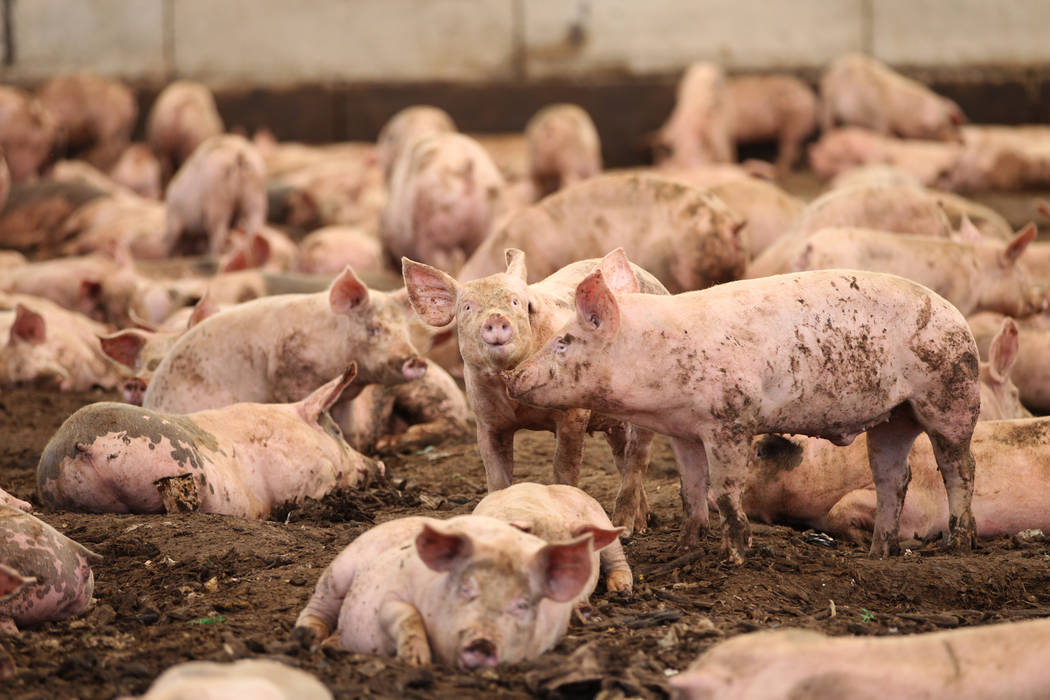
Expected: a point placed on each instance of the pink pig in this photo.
(51, 574)
(840, 150)
(95, 115)
(183, 117)
(328, 250)
(244, 459)
(1032, 371)
(139, 170)
(564, 147)
(402, 130)
(830, 354)
(778, 108)
(700, 128)
(28, 132)
(259, 679)
(882, 207)
(471, 591)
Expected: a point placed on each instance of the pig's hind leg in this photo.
(956, 465)
(630, 446)
(888, 447)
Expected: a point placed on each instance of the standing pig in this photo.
(778, 108)
(242, 460)
(52, 573)
(138, 170)
(221, 187)
(830, 354)
(279, 348)
(700, 128)
(95, 115)
(445, 196)
(500, 321)
(182, 118)
(1002, 660)
(686, 237)
(470, 591)
(402, 130)
(859, 90)
(10, 501)
(27, 133)
(883, 207)
(563, 147)
(559, 513)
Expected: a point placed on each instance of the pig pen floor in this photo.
(180, 587)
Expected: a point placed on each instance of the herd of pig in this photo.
(808, 361)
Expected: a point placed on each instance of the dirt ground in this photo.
(191, 586)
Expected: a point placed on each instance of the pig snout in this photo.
(133, 391)
(479, 653)
(497, 330)
(414, 368)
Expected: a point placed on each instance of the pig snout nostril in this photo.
(496, 330)
(480, 652)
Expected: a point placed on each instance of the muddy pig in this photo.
(1005, 660)
(859, 90)
(55, 574)
(243, 460)
(279, 348)
(830, 354)
(500, 321)
(470, 591)
(700, 128)
(182, 118)
(28, 132)
(778, 108)
(10, 501)
(882, 207)
(445, 196)
(558, 513)
(220, 187)
(95, 115)
(402, 130)
(563, 147)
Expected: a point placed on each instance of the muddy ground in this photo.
(174, 588)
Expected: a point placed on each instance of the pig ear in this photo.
(1002, 354)
(1017, 246)
(29, 326)
(348, 293)
(565, 568)
(1043, 207)
(619, 276)
(322, 399)
(125, 346)
(253, 252)
(431, 292)
(955, 113)
(523, 525)
(11, 581)
(596, 307)
(968, 233)
(204, 308)
(602, 537)
(516, 264)
(441, 550)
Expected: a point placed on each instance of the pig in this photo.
(328, 250)
(244, 459)
(1000, 660)
(828, 353)
(265, 249)
(35, 211)
(261, 679)
(445, 196)
(95, 115)
(28, 132)
(1032, 370)
(861, 91)
(558, 513)
(840, 150)
(46, 345)
(710, 174)
(52, 572)
(897, 208)
(778, 108)
(500, 321)
(183, 117)
(68, 170)
(111, 223)
(345, 191)
(138, 170)
(700, 128)
(10, 259)
(769, 212)
(510, 152)
(977, 274)
(873, 175)
(1002, 158)
(987, 221)
(10, 501)
(402, 130)
(220, 187)
(686, 237)
(564, 147)
(279, 348)
(470, 591)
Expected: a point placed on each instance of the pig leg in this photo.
(728, 470)
(497, 454)
(692, 470)
(568, 454)
(888, 447)
(956, 464)
(618, 575)
(789, 147)
(403, 623)
(630, 446)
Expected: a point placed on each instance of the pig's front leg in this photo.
(568, 454)
(692, 470)
(630, 447)
(497, 454)
(404, 625)
(728, 460)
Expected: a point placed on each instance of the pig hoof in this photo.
(309, 632)
(415, 653)
(619, 581)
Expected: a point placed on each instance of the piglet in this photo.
(48, 576)
(700, 128)
(471, 591)
(778, 108)
(402, 130)
(564, 147)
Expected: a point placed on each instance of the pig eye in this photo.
(468, 589)
(467, 306)
(521, 606)
(563, 343)
(514, 301)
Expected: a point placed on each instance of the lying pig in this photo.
(1001, 660)
(500, 321)
(328, 250)
(279, 348)
(220, 187)
(138, 170)
(402, 130)
(686, 237)
(1032, 370)
(470, 591)
(976, 274)
(28, 132)
(95, 115)
(243, 460)
(445, 196)
(265, 249)
(998, 157)
(182, 118)
(840, 150)
(769, 211)
(778, 108)
(883, 207)
(859, 90)
(52, 573)
(10, 501)
(830, 354)
(564, 147)
(261, 679)
(109, 223)
(559, 513)
(700, 128)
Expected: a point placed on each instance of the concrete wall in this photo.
(275, 43)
